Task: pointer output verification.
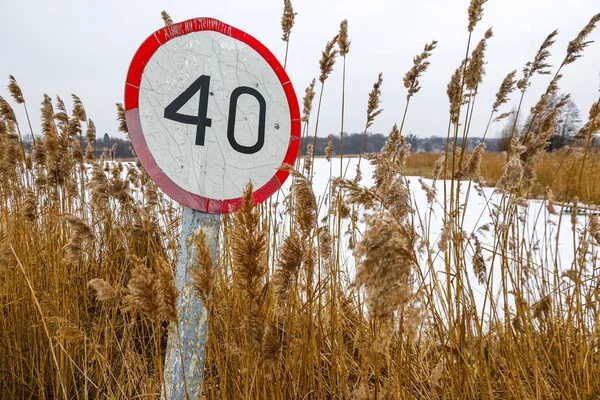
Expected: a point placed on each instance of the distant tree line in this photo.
(123, 149)
(105, 143)
(373, 142)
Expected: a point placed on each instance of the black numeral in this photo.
(261, 120)
(201, 84)
(201, 121)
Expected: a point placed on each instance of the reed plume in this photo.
(420, 65)
(249, 246)
(454, 92)
(343, 40)
(7, 113)
(373, 109)
(577, 45)
(476, 66)
(154, 293)
(121, 119)
(329, 148)
(78, 109)
(104, 291)
(15, 90)
(475, 13)
(166, 18)
(309, 96)
(291, 255)
(287, 20)
(202, 271)
(328, 59)
(80, 233)
(539, 64)
(506, 88)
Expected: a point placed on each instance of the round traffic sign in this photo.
(209, 109)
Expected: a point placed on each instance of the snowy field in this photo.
(547, 240)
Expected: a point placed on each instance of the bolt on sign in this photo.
(209, 109)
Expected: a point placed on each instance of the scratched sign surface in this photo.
(210, 109)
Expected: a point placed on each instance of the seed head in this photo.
(475, 68)
(479, 266)
(152, 292)
(329, 148)
(386, 263)
(287, 20)
(291, 255)
(475, 13)
(438, 167)
(271, 342)
(249, 251)
(80, 233)
(343, 41)
(90, 133)
(430, 191)
(140, 288)
(309, 96)
(506, 88)
(77, 153)
(202, 272)
(104, 291)
(577, 45)
(7, 112)
(473, 169)
(539, 64)
(30, 206)
(61, 116)
(308, 157)
(121, 119)
(166, 292)
(511, 175)
(90, 157)
(15, 90)
(249, 247)
(78, 109)
(373, 104)
(49, 130)
(99, 187)
(420, 65)
(328, 59)
(166, 18)
(454, 92)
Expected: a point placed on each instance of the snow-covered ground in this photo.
(548, 240)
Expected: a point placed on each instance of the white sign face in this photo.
(210, 109)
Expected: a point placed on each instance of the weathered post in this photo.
(186, 346)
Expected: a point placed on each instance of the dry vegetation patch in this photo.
(87, 249)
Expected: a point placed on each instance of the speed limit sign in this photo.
(209, 109)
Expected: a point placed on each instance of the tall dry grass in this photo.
(87, 252)
(557, 170)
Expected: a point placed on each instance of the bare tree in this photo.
(567, 123)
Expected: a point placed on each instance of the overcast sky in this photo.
(85, 47)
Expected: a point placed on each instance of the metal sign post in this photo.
(209, 109)
(185, 349)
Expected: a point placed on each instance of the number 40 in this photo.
(201, 121)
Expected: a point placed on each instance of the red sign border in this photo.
(134, 79)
